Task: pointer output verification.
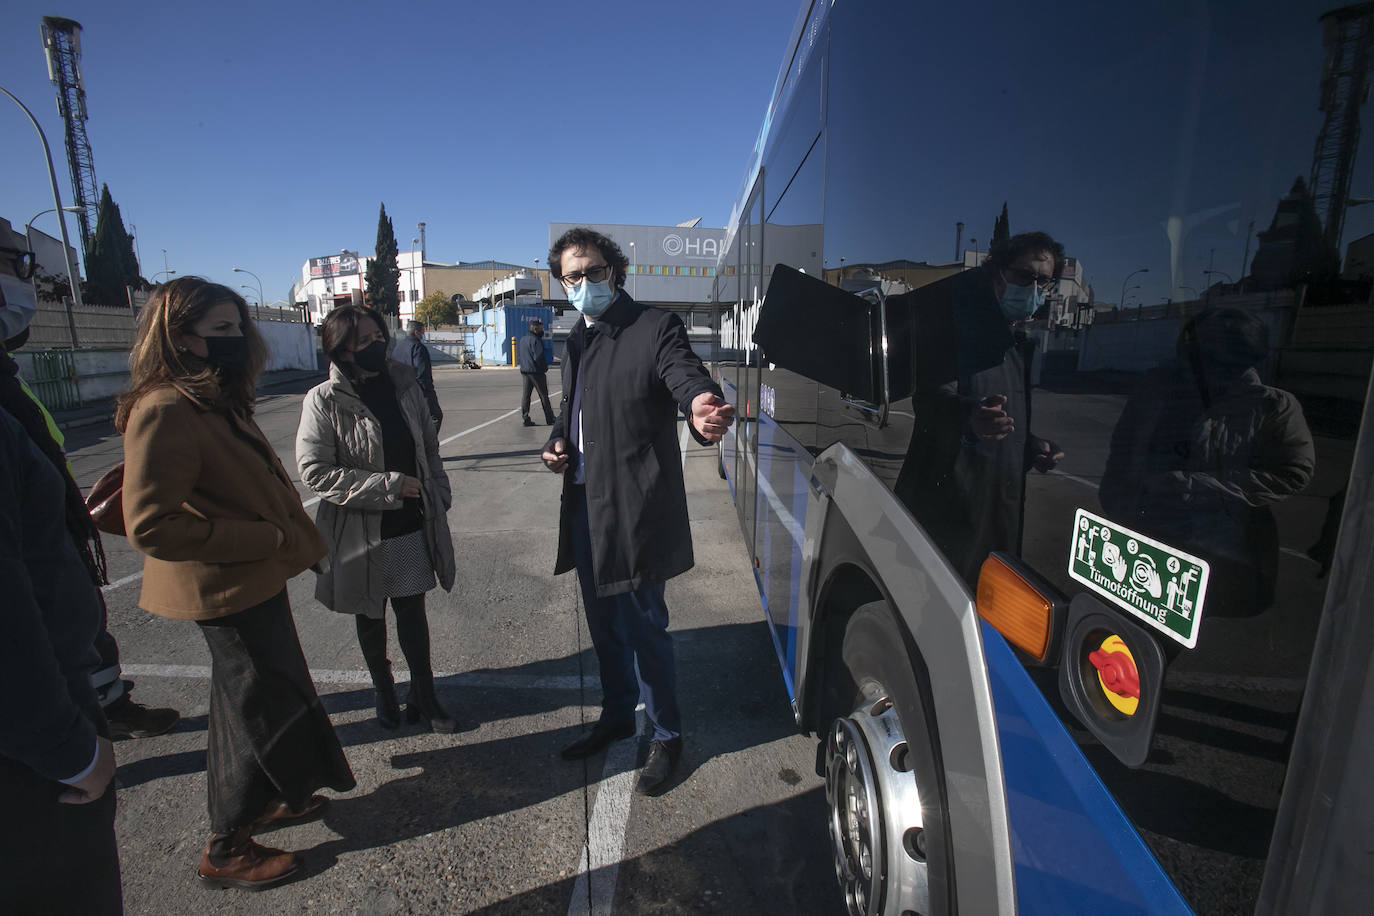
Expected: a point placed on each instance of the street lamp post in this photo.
(1123, 297)
(1208, 273)
(28, 227)
(257, 307)
(154, 277)
(1122, 300)
(261, 298)
(73, 279)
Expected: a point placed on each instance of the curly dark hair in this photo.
(582, 237)
(1008, 252)
(340, 328)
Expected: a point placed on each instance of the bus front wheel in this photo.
(882, 781)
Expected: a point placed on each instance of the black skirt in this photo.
(269, 736)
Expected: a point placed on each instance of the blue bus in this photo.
(1049, 331)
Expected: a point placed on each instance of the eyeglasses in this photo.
(24, 262)
(1022, 277)
(595, 274)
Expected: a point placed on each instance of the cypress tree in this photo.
(1001, 230)
(383, 277)
(110, 264)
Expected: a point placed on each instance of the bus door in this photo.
(746, 407)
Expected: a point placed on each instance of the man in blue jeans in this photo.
(628, 373)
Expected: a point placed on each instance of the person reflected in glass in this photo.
(367, 445)
(223, 530)
(1204, 449)
(969, 362)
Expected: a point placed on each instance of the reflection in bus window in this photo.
(972, 442)
(1202, 452)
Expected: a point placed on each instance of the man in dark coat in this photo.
(623, 526)
(964, 478)
(534, 371)
(411, 351)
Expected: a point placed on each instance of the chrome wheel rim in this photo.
(876, 826)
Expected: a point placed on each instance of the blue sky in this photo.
(258, 135)
(264, 134)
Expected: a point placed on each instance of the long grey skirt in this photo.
(269, 737)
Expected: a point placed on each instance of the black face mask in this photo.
(537, 332)
(371, 358)
(229, 353)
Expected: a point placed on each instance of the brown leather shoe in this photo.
(251, 867)
(279, 812)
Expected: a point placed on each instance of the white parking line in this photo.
(593, 896)
(119, 583)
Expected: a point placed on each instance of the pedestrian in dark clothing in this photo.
(534, 372)
(58, 852)
(964, 477)
(1202, 452)
(411, 351)
(126, 718)
(623, 524)
(223, 529)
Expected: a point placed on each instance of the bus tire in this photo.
(883, 781)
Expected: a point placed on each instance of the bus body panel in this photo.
(1140, 142)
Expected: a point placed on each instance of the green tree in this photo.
(436, 309)
(51, 287)
(383, 277)
(1001, 230)
(110, 264)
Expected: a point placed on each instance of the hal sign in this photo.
(695, 249)
(1162, 586)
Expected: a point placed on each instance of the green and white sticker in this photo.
(1161, 585)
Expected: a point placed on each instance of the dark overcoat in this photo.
(968, 493)
(636, 373)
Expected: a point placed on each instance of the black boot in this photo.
(388, 709)
(422, 705)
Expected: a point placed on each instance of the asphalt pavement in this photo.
(491, 819)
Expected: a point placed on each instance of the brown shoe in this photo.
(250, 866)
(279, 812)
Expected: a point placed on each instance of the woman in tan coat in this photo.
(209, 503)
(367, 446)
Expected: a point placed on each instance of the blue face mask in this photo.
(591, 299)
(1020, 302)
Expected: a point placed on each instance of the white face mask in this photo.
(20, 304)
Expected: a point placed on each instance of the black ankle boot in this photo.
(388, 709)
(422, 705)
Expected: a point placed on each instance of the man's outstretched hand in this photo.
(711, 416)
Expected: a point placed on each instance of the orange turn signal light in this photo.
(1021, 611)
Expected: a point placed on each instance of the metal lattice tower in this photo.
(1347, 36)
(62, 45)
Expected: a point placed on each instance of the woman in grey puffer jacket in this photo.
(367, 447)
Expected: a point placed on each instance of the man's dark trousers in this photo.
(540, 381)
(627, 628)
